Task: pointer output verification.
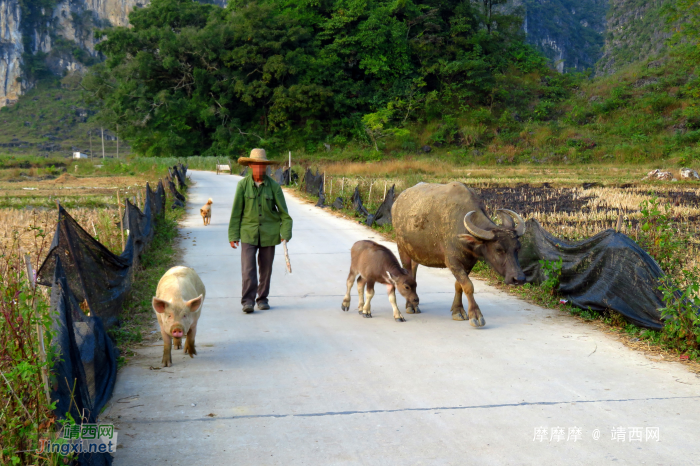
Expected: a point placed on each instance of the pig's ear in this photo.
(195, 304)
(159, 305)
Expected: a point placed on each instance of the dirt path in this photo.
(305, 383)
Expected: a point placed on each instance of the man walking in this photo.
(259, 221)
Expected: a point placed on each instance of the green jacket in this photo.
(259, 213)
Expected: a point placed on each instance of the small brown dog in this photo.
(206, 212)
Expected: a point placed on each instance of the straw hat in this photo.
(256, 156)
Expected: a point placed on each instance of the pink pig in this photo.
(178, 305)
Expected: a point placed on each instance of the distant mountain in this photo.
(636, 31)
(568, 32)
(52, 37)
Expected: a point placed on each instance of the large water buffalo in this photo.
(445, 225)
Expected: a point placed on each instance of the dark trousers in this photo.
(251, 288)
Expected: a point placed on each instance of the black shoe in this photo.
(263, 306)
(247, 308)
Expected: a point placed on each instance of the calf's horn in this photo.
(519, 222)
(475, 231)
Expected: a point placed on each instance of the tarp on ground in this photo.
(607, 271)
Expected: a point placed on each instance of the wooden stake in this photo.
(103, 143)
(39, 329)
(342, 187)
(369, 196)
(384, 198)
(90, 133)
(117, 141)
(121, 218)
(330, 195)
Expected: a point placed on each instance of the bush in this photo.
(680, 313)
(25, 412)
(658, 236)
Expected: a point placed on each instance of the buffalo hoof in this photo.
(477, 323)
(458, 316)
(399, 319)
(344, 307)
(367, 316)
(361, 312)
(410, 309)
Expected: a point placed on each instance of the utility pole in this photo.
(103, 143)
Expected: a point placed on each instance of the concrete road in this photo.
(305, 383)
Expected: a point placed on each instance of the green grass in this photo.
(53, 114)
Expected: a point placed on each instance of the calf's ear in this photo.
(159, 305)
(392, 279)
(470, 239)
(195, 304)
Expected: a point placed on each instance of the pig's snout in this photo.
(177, 332)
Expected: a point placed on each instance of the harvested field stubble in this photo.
(101, 224)
(569, 212)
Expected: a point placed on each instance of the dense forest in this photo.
(189, 78)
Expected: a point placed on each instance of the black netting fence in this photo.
(383, 214)
(282, 176)
(89, 285)
(313, 182)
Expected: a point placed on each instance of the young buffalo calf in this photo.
(178, 305)
(375, 263)
(206, 212)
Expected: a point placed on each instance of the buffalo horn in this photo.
(477, 232)
(519, 222)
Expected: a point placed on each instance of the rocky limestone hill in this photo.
(40, 37)
(636, 30)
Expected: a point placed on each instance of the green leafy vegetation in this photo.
(682, 319)
(53, 120)
(25, 413)
(190, 78)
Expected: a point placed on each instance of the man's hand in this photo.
(234, 244)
